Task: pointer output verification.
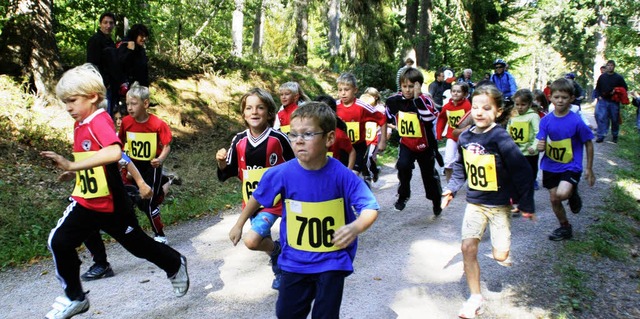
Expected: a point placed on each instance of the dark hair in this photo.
(562, 85)
(542, 100)
(107, 14)
(413, 75)
(612, 62)
(495, 94)
(136, 30)
(525, 95)
(331, 102)
(463, 85)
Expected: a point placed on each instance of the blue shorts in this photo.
(298, 291)
(552, 180)
(261, 223)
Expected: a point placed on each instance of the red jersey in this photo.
(342, 144)
(144, 141)
(356, 115)
(450, 116)
(93, 188)
(248, 155)
(284, 117)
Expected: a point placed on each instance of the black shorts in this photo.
(552, 180)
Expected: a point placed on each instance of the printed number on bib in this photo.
(371, 130)
(454, 117)
(481, 171)
(409, 125)
(142, 146)
(92, 182)
(250, 180)
(310, 226)
(560, 151)
(353, 131)
(519, 131)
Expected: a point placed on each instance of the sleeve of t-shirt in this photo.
(269, 187)
(231, 169)
(542, 131)
(165, 133)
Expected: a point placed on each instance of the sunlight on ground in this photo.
(416, 302)
(630, 187)
(246, 274)
(433, 261)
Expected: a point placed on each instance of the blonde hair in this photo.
(368, 98)
(374, 93)
(139, 91)
(82, 80)
(295, 88)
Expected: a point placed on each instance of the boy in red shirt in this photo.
(355, 113)
(146, 138)
(99, 201)
(290, 94)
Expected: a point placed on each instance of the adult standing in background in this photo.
(408, 63)
(578, 91)
(101, 52)
(133, 56)
(437, 88)
(504, 81)
(466, 78)
(607, 108)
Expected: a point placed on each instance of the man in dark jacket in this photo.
(608, 110)
(101, 51)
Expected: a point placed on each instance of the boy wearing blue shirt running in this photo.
(562, 137)
(319, 228)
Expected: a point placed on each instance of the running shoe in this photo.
(180, 280)
(471, 308)
(98, 271)
(401, 203)
(561, 233)
(64, 308)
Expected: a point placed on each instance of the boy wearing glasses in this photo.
(252, 152)
(319, 225)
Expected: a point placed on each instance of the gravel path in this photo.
(409, 265)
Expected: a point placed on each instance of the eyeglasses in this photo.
(499, 66)
(307, 136)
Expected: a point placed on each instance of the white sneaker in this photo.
(161, 239)
(180, 280)
(472, 308)
(64, 308)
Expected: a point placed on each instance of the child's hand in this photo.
(156, 162)
(542, 145)
(145, 191)
(529, 216)
(66, 176)
(417, 89)
(235, 234)
(531, 150)
(344, 236)
(588, 175)
(59, 160)
(447, 197)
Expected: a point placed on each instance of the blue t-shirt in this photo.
(556, 129)
(333, 181)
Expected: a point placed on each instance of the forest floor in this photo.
(409, 265)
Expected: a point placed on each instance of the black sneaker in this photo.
(600, 140)
(98, 271)
(575, 202)
(561, 233)
(376, 175)
(401, 203)
(437, 210)
(614, 139)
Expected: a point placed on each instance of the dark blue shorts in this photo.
(552, 180)
(298, 291)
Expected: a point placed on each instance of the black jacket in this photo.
(134, 63)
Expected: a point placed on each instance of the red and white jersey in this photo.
(144, 141)
(248, 153)
(356, 115)
(93, 189)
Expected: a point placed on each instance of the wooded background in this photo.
(541, 40)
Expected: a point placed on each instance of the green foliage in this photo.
(380, 76)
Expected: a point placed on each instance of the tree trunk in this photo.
(28, 46)
(424, 34)
(333, 16)
(258, 29)
(237, 24)
(302, 28)
(601, 45)
(411, 16)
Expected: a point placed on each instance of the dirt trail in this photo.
(408, 266)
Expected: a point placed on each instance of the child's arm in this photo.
(104, 156)
(588, 173)
(157, 162)
(143, 188)
(221, 158)
(464, 123)
(382, 143)
(344, 236)
(352, 159)
(236, 231)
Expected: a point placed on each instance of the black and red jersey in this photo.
(246, 152)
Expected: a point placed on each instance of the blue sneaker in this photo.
(274, 264)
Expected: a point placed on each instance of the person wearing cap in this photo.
(504, 81)
(579, 92)
(607, 110)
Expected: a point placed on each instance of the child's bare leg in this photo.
(254, 241)
(500, 255)
(557, 196)
(471, 266)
